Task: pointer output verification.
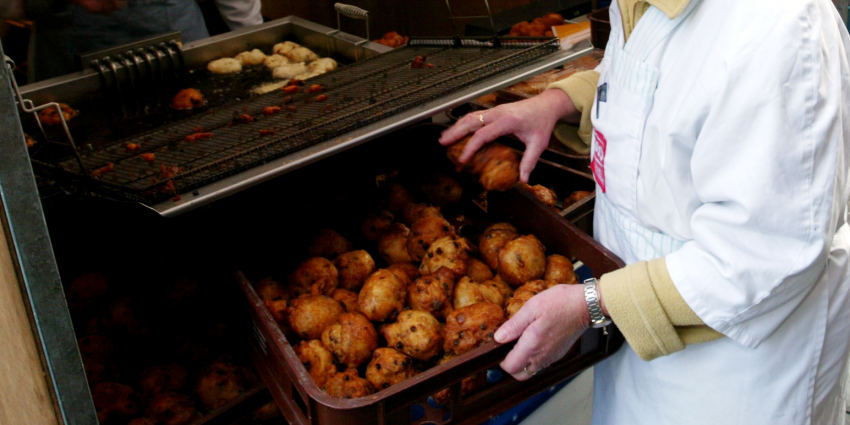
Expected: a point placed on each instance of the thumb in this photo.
(513, 328)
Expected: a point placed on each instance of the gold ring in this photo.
(525, 369)
(481, 118)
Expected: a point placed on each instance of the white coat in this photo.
(722, 142)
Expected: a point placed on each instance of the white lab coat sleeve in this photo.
(766, 166)
(240, 13)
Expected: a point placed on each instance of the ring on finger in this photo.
(481, 118)
(525, 369)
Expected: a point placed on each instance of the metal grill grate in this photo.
(357, 95)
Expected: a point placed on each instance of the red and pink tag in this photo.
(597, 164)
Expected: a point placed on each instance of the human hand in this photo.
(547, 327)
(101, 6)
(530, 120)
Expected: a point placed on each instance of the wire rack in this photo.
(357, 95)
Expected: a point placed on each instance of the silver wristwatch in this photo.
(591, 294)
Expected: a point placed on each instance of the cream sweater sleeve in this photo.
(581, 88)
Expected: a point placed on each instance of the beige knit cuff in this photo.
(581, 88)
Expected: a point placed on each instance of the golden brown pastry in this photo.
(50, 116)
(468, 386)
(393, 39)
(399, 197)
(416, 333)
(251, 57)
(86, 290)
(160, 379)
(503, 287)
(318, 361)
(478, 271)
(432, 293)
(317, 276)
(542, 193)
(121, 317)
(575, 197)
(95, 346)
(442, 190)
(354, 268)
(188, 99)
(392, 245)
(100, 370)
(347, 299)
(412, 213)
(221, 382)
(115, 403)
(269, 289)
(497, 166)
(471, 326)
(266, 413)
(172, 409)
(328, 244)
(375, 224)
(382, 297)
(348, 385)
(424, 232)
(468, 292)
(559, 269)
(522, 260)
(491, 242)
(310, 315)
(351, 339)
(451, 252)
(277, 309)
(523, 294)
(225, 66)
(410, 270)
(508, 227)
(388, 367)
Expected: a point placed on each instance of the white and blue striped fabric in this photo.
(645, 244)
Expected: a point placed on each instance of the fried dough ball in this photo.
(347, 298)
(221, 382)
(269, 289)
(95, 346)
(471, 326)
(412, 213)
(433, 293)
(143, 421)
(375, 224)
(253, 57)
(392, 245)
(575, 197)
(348, 385)
(523, 294)
(351, 339)
(284, 48)
(160, 379)
(454, 153)
(478, 271)
(277, 309)
(310, 315)
(468, 386)
(119, 316)
(408, 269)
(50, 116)
(522, 260)
(502, 226)
(424, 232)
(225, 66)
(275, 60)
(323, 65)
(382, 297)
(491, 242)
(301, 54)
(442, 190)
(172, 409)
(328, 244)
(99, 370)
(388, 367)
(398, 198)
(468, 292)
(542, 193)
(115, 403)
(317, 276)
(503, 287)
(500, 169)
(86, 290)
(354, 268)
(290, 70)
(416, 333)
(266, 413)
(559, 269)
(318, 361)
(188, 99)
(451, 252)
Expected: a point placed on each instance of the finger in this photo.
(467, 124)
(524, 353)
(532, 153)
(513, 328)
(485, 135)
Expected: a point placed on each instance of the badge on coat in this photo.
(597, 164)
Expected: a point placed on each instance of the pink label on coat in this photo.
(597, 164)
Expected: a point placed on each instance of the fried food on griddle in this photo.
(492, 241)
(442, 190)
(354, 268)
(432, 293)
(497, 166)
(301, 54)
(408, 270)
(348, 385)
(411, 213)
(275, 60)
(310, 315)
(522, 260)
(542, 193)
(382, 297)
(290, 70)
(253, 57)
(225, 66)
(284, 48)
(375, 224)
(468, 386)
(478, 271)
(471, 326)
(317, 276)
(392, 245)
(523, 294)
(399, 197)
(328, 244)
(86, 291)
(393, 39)
(388, 367)
(50, 116)
(559, 269)
(160, 379)
(468, 292)
(318, 361)
(416, 333)
(188, 99)
(322, 65)
(451, 252)
(424, 233)
(219, 383)
(347, 298)
(351, 339)
(172, 409)
(114, 402)
(575, 197)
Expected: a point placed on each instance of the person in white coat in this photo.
(720, 139)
